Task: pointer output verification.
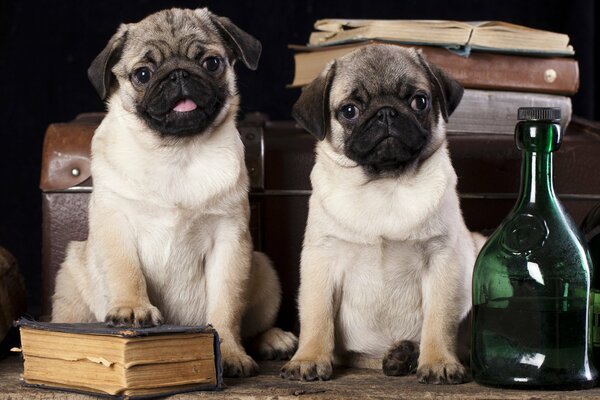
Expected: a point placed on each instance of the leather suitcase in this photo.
(279, 156)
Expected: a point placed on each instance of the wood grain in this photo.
(346, 383)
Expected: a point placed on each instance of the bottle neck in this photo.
(537, 185)
(537, 140)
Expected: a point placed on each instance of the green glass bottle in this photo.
(591, 229)
(531, 283)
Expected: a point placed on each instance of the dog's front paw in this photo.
(451, 372)
(239, 366)
(307, 370)
(402, 359)
(136, 316)
(276, 344)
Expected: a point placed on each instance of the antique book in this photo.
(495, 112)
(481, 35)
(480, 70)
(126, 362)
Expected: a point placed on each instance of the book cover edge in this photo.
(102, 329)
(49, 386)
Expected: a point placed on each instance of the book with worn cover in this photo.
(495, 112)
(482, 35)
(125, 362)
(481, 70)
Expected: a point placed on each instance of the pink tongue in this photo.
(185, 105)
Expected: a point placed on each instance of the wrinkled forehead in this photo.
(378, 71)
(170, 33)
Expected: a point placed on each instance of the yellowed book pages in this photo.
(496, 34)
(111, 349)
(308, 65)
(114, 379)
(84, 374)
(410, 31)
(484, 35)
(170, 374)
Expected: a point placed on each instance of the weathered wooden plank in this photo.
(346, 384)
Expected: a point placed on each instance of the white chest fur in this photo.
(380, 296)
(172, 247)
(173, 197)
(137, 165)
(366, 210)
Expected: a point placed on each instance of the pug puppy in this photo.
(387, 259)
(168, 218)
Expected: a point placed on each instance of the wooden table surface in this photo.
(346, 384)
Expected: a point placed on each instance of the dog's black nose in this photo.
(179, 74)
(386, 114)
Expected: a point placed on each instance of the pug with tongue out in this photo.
(168, 218)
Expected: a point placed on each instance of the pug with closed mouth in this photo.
(168, 217)
(387, 259)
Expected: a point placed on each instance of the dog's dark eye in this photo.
(419, 103)
(212, 63)
(142, 75)
(349, 111)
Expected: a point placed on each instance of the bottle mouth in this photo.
(538, 129)
(549, 114)
(538, 136)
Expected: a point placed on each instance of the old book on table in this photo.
(480, 70)
(483, 35)
(495, 112)
(126, 362)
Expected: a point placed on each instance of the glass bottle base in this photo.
(530, 384)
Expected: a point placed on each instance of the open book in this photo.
(131, 362)
(486, 35)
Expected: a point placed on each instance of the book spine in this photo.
(553, 75)
(495, 112)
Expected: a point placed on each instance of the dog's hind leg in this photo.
(264, 297)
(68, 305)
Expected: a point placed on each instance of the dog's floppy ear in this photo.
(311, 110)
(451, 91)
(244, 45)
(99, 72)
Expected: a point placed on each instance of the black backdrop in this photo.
(46, 47)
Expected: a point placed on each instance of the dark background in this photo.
(46, 47)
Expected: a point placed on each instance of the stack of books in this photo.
(502, 66)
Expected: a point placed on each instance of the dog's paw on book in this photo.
(126, 362)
